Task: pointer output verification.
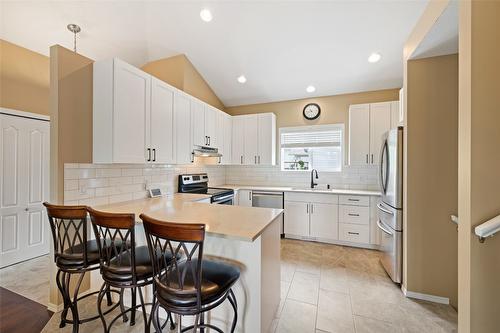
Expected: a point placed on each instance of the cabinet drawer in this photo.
(312, 197)
(356, 233)
(354, 214)
(357, 200)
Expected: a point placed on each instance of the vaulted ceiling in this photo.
(280, 46)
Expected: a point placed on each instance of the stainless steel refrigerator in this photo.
(390, 209)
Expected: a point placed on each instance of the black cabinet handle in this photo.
(149, 154)
(353, 214)
(154, 155)
(353, 233)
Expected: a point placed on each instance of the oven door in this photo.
(225, 200)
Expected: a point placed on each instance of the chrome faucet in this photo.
(312, 177)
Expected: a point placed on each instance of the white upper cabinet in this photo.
(254, 139)
(238, 146)
(251, 141)
(380, 122)
(198, 123)
(182, 128)
(395, 115)
(120, 110)
(359, 134)
(161, 123)
(224, 137)
(267, 139)
(367, 124)
(210, 126)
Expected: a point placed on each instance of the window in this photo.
(312, 147)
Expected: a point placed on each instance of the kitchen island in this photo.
(244, 236)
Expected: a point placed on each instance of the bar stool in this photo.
(73, 254)
(122, 267)
(187, 285)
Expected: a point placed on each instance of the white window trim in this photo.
(304, 128)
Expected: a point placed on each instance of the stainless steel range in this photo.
(198, 183)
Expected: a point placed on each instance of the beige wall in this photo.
(432, 173)
(180, 73)
(479, 165)
(334, 109)
(71, 124)
(24, 79)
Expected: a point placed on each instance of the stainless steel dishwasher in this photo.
(268, 199)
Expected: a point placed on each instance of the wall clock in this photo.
(311, 111)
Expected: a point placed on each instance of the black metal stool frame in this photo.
(68, 225)
(119, 228)
(174, 239)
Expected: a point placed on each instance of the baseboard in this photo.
(54, 307)
(425, 297)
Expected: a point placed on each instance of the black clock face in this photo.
(311, 111)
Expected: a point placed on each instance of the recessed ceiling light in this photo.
(242, 79)
(310, 89)
(206, 15)
(374, 57)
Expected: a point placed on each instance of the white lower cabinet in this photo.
(341, 219)
(323, 223)
(296, 218)
(311, 216)
(245, 198)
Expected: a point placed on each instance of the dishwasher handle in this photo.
(267, 194)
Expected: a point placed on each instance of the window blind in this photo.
(311, 138)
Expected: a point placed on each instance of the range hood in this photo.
(202, 151)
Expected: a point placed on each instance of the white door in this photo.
(161, 122)
(359, 134)
(296, 218)
(198, 123)
(245, 198)
(24, 182)
(266, 140)
(131, 105)
(210, 124)
(228, 139)
(182, 129)
(380, 122)
(324, 220)
(238, 139)
(251, 141)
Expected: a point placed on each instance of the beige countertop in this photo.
(304, 190)
(233, 222)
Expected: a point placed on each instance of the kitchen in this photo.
(309, 186)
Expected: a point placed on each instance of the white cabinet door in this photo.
(359, 134)
(401, 107)
(227, 133)
(296, 218)
(182, 128)
(245, 198)
(395, 114)
(266, 139)
(380, 122)
(324, 220)
(210, 126)
(161, 123)
(251, 141)
(131, 105)
(198, 123)
(238, 139)
(24, 186)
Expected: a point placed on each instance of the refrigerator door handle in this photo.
(383, 182)
(379, 206)
(379, 224)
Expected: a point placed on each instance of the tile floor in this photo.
(29, 279)
(324, 288)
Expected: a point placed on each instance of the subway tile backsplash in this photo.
(98, 184)
(349, 178)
